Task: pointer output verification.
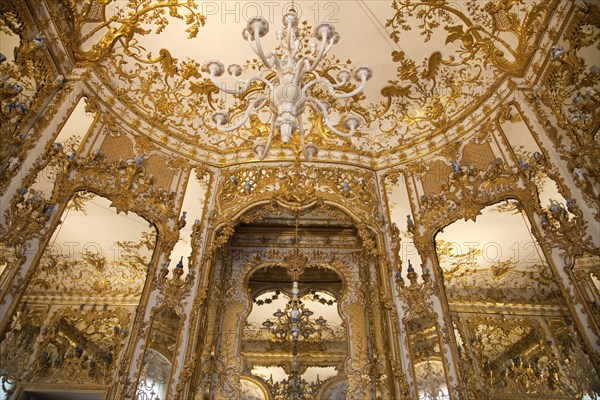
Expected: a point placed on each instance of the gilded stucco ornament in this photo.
(25, 219)
(485, 42)
(468, 190)
(80, 346)
(174, 289)
(565, 228)
(420, 322)
(566, 98)
(26, 84)
(416, 296)
(299, 188)
(124, 182)
(123, 25)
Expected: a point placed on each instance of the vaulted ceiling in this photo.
(440, 69)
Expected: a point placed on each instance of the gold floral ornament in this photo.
(565, 227)
(125, 24)
(25, 83)
(416, 296)
(569, 93)
(25, 220)
(173, 290)
(484, 43)
(130, 187)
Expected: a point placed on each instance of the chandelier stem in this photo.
(322, 81)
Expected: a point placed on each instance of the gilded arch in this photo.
(248, 194)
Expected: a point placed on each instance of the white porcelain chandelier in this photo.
(288, 77)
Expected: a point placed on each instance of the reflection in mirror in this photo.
(317, 353)
(251, 390)
(425, 348)
(513, 328)
(76, 312)
(153, 383)
(336, 391)
(155, 376)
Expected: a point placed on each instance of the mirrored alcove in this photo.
(77, 312)
(267, 340)
(561, 206)
(294, 308)
(153, 383)
(426, 354)
(512, 324)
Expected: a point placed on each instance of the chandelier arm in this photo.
(263, 57)
(302, 143)
(221, 86)
(247, 82)
(320, 55)
(268, 144)
(259, 50)
(323, 111)
(278, 65)
(359, 89)
(249, 111)
(331, 87)
(251, 44)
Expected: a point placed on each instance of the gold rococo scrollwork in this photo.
(566, 98)
(297, 188)
(126, 184)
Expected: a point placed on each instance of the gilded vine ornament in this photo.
(25, 219)
(173, 290)
(486, 42)
(125, 182)
(565, 228)
(125, 24)
(297, 189)
(488, 28)
(416, 296)
(568, 94)
(469, 190)
(27, 82)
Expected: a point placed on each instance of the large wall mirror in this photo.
(156, 370)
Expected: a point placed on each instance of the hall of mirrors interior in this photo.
(433, 233)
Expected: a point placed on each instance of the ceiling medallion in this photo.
(288, 76)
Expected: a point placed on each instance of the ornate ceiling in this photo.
(440, 69)
(486, 111)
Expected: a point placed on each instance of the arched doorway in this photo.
(320, 252)
(294, 337)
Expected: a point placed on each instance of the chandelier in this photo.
(294, 323)
(288, 76)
